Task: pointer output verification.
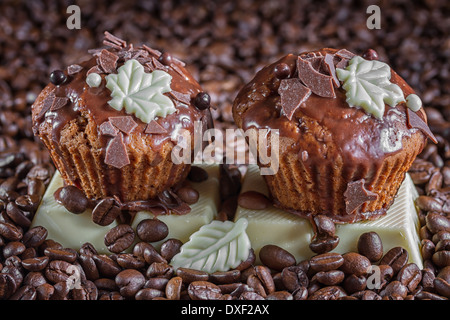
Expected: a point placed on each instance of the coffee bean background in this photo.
(224, 43)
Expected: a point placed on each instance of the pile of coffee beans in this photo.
(223, 43)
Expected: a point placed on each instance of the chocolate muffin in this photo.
(112, 122)
(349, 129)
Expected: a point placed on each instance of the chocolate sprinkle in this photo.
(126, 124)
(319, 84)
(154, 128)
(116, 152)
(415, 121)
(356, 195)
(113, 41)
(107, 129)
(293, 93)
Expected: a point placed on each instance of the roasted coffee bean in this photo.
(441, 235)
(197, 174)
(203, 290)
(148, 252)
(353, 283)
(13, 248)
(410, 276)
(248, 262)
(428, 203)
(328, 293)
(44, 291)
(427, 249)
(324, 225)
(119, 238)
(280, 295)
(443, 245)
(173, 288)
(366, 295)
(324, 244)
(72, 198)
(442, 287)
(7, 286)
(221, 277)
(59, 271)
(329, 278)
(17, 215)
(129, 261)
(88, 264)
(28, 202)
(106, 266)
(441, 258)
(34, 279)
(10, 232)
(105, 212)
(191, 275)
(66, 254)
(395, 288)
(106, 284)
(152, 230)
(188, 194)
(326, 262)
(88, 291)
(370, 246)
(436, 222)
(275, 257)
(156, 283)
(254, 283)
(444, 273)
(148, 294)
(264, 275)
(35, 236)
(35, 264)
(170, 248)
(24, 293)
(248, 295)
(355, 263)
(424, 295)
(253, 200)
(160, 269)
(300, 294)
(129, 281)
(294, 277)
(396, 257)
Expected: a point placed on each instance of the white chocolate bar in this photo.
(399, 227)
(73, 230)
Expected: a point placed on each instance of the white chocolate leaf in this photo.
(140, 93)
(367, 85)
(218, 246)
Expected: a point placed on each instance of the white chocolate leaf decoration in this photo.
(218, 246)
(367, 85)
(139, 92)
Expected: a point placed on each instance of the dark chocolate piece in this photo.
(415, 121)
(107, 61)
(153, 52)
(107, 129)
(73, 69)
(181, 97)
(58, 103)
(126, 124)
(94, 69)
(46, 104)
(345, 54)
(328, 63)
(113, 41)
(356, 195)
(320, 84)
(154, 128)
(342, 64)
(293, 93)
(116, 152)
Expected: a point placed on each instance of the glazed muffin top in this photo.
(115, 89)
(315, 95)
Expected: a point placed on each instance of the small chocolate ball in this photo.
(282, 71)
(166, 59)
(58, 77)
(370, 54)
(202, 101)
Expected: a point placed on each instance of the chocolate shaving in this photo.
(116, 152)
(415, 121)
(345, 54)
(58, 103)
(94, 69)
(158, 65)
(73, 69)
(293, 93)
(107, 129)
(113, 41)
(316, 62)
(320, 84)
(178, 69)
(126, 124)
(342, 64)
(154, 128)
(153, 52)
(46, 104)
(181, 97)
(356, 195)
(328, 64)
(107, 61)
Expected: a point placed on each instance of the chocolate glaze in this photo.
(356, 134)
